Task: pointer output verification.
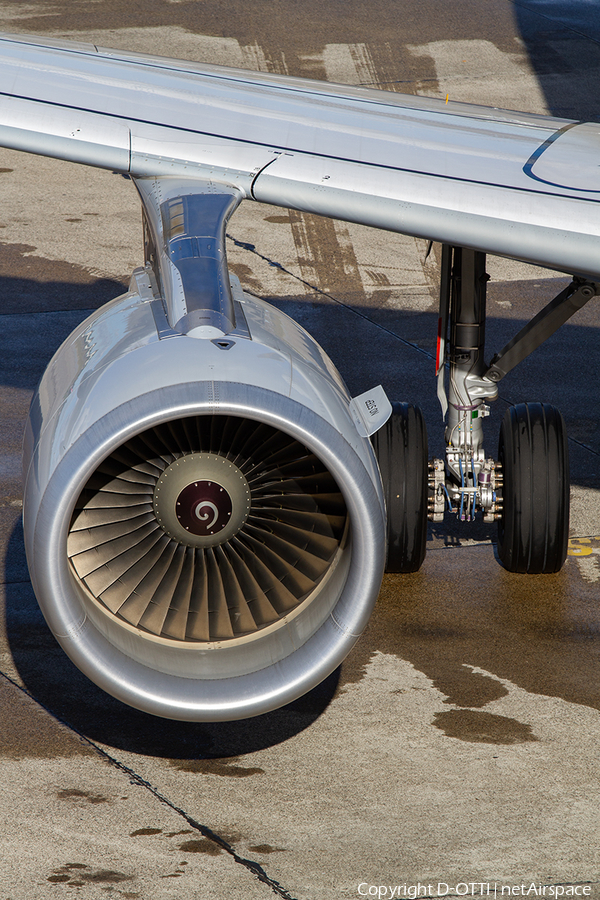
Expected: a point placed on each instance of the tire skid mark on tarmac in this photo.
(135, 779)
(325, 252)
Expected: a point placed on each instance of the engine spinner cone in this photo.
(201, 499)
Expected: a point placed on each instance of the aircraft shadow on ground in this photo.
(562, 40)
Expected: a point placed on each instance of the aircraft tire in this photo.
(533, 528)
(401, 450)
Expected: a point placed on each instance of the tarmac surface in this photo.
(456, 750)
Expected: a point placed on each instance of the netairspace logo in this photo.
(471, 889)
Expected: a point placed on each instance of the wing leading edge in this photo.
(512, 184)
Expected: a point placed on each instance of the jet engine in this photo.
(204, 519)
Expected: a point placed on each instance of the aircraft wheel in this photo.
(401, 450)
(534, 525)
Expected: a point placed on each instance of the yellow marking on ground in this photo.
(584, 546)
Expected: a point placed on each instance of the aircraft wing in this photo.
(513, 184)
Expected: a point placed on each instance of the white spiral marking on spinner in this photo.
(204, 516)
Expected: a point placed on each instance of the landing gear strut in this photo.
(466, 482)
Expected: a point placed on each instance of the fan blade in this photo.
(79, 540)
(198, 621)
(177, 617)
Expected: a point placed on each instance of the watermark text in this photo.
(471, 889)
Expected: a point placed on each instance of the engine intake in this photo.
(206, 529)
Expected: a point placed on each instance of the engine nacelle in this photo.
(204, 523)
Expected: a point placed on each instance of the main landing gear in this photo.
(526, 489)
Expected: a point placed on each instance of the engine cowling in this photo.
(204, 523)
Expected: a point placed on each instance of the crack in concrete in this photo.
(134, 778)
